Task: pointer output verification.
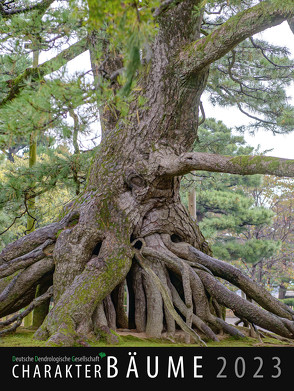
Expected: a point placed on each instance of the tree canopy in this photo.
(123, 223)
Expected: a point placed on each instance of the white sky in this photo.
(282, 145)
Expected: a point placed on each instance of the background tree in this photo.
(277, 195)
(151, 62)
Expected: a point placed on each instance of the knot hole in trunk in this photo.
(134, 180)
(176, 238)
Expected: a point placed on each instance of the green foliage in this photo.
(133, 63)
(247, 79)
(289, 301)
(128, 26)
(250, 251)
(254, 76)
(51, 182)
(11, 66)
(215, 137)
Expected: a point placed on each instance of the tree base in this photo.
(165, 279)
(178, 298)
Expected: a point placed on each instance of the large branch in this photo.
(13, 252)
(223, 39)
(242, 165)
(19, 291)
(16, 85)
(8, 268)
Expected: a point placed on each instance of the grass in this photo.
(24, 338)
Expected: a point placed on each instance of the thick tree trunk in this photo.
(129, 231)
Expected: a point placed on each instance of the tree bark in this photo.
(241, 165)
(192, 203)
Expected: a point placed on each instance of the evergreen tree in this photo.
(151, 62)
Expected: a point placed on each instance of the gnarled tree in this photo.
(128, 227)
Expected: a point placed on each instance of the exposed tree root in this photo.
(185, 326)
(72, 316)
(16, 319)
(206, 286)
(168, 285)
